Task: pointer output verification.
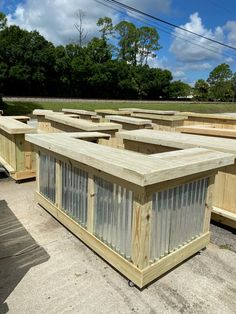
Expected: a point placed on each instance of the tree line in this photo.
(113, 65)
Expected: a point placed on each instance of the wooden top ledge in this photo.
(159, 117)
(150, 111)
(80, 112)
(142, 170)
(207, 130)
(209, 116)
(179, 140)
(83, 124)
(41, 112)
(129, 120)
(12, 126)
(112, 112)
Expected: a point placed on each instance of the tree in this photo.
(3, 21)
(148, 43)
(179, 89)
(27, 61)
(106, 27)
(220, 82)
(98, 50)
(201, 90)
(128, 37)
(80, 14)
(234, 87)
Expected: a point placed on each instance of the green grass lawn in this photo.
(23, 107)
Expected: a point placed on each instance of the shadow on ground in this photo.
(18, 253)
(20, 108)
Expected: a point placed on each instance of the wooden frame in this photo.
(208, 130)
(151, 142)
(162, 122)
(84, 114)
(152, 174)
(16, 155)
(130, 123)
(216, 120)
(150, 111)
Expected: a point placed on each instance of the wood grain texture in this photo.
(134, 167)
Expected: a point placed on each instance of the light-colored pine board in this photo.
(158, 117)
(223, 216)
(80, 112)
(207, 130)
(179, 140)
(12, 126)
(128, 120)
(139, 169)
(150, 111)
(82, 124)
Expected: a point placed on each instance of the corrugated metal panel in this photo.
(113, 210)
(177, 217)
(47, 170)
(75, 193)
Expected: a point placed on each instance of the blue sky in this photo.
(188, 59)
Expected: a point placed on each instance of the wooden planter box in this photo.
(130, 123)
(151, 142)
(16, 154)
(142, 214)
(215, 120)
(162, 122)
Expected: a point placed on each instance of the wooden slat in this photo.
(209, 116)
(79, 111)
(179, 140)
(12, 126)
(129, 120)
(207, 130)
(104, 112)
(157, 117)
(81, 124)
(151, 111)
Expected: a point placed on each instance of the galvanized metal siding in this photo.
(113, 210)
(75, 193)
(47, 176)
(177, 217)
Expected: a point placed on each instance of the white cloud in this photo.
(55, 19)
(179, 75)
(157, 62)
(186, 51)
(230, 28)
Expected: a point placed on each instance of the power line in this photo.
(132, 9)
(166, 30)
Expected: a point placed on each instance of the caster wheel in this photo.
(131, 284)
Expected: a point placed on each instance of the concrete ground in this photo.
(45, 269)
